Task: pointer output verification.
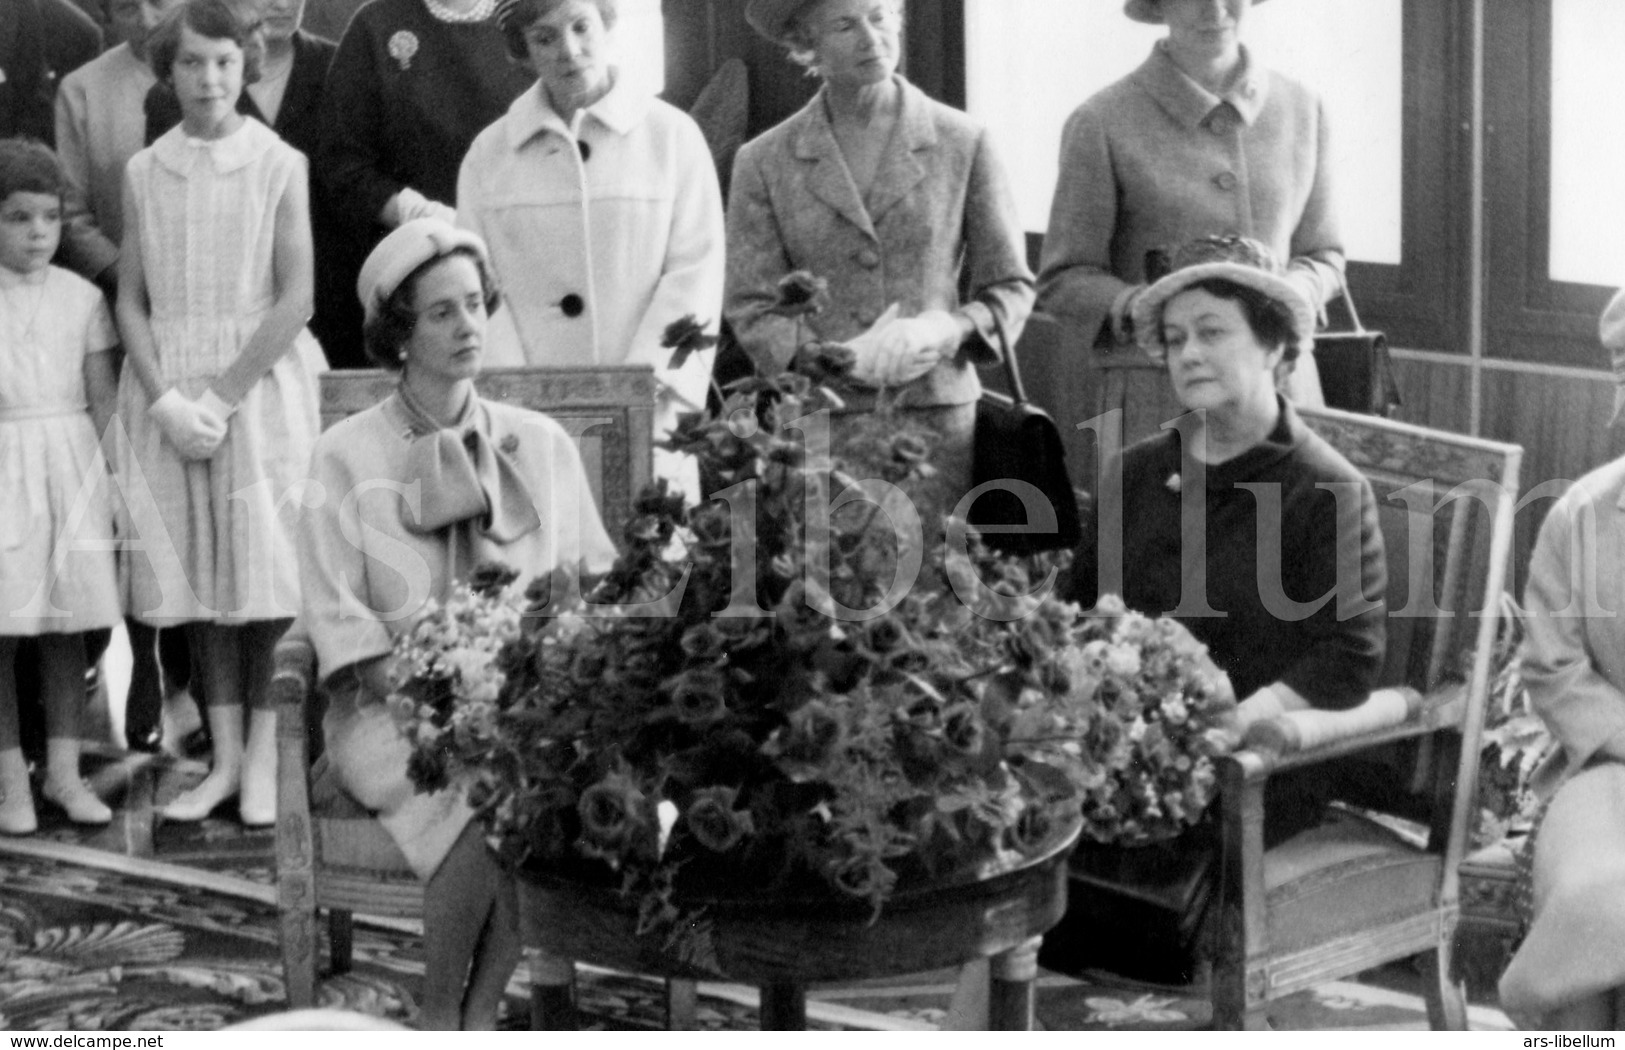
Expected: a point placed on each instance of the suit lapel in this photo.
(904, 164)
(304, 84)
(829, 180)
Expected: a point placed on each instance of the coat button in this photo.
(1225, 180)
(868, 259)
(572, 305)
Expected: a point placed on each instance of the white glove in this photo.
(216, 404)
(871, 366)
(195, 431)
(913, 346)
(409, 204)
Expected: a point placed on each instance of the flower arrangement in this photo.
(750, 700)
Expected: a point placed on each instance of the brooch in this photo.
(1173, 482)
(402, 46)
(510, 444)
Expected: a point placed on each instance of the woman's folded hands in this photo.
(192, 427)
(897, 350)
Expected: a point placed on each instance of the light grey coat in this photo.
(939, 218)
(1155, 160)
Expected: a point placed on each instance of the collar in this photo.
(10, 279)
(1190, 103)
(620, 110)
(915, 128)
(180, 153)
(464, 475)
(1283, 441)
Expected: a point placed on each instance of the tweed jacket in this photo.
(939, 218)
(1573, 657)
(1155, 160)
(602, 235)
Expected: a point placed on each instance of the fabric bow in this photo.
(464, 477)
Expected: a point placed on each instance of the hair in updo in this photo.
(516, 16)
(1270, 319)
(27, 166)
(234, 20)
(386, 334)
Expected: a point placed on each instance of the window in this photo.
(1587, 243)
(642, 34)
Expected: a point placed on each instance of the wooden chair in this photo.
(1353, 894)
(333, 855)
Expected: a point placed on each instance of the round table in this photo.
(785, 946)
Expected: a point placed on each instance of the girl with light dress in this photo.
(219, 397)
(57, 579)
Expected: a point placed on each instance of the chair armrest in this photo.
(293, 676)
(1304, 737)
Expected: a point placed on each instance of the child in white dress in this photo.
(219, 393)
(57, 579)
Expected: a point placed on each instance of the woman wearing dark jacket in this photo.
(411, 85)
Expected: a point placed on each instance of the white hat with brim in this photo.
(772, 18)
(408, 246)
(1238, 259)
(1149, 11)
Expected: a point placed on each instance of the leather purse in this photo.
(1356, 374)
(1018, 441)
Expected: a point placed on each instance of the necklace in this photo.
(481, 11)
(21, 295)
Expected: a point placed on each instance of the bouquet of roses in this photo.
(748, 703)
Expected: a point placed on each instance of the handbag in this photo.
(1016, 441)
(1356, 374)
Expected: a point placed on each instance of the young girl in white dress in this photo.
(219, 397)
(57, 579)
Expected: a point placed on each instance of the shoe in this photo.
(77, 801)
(148, 741)
(17, 815)
(194, 805)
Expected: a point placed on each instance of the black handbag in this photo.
(1016, 441)
(1356, 374)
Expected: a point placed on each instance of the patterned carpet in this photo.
(147, 925)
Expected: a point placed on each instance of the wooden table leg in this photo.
(552, 992)
(784, 1007)
(682, 1005)
(1010, 998)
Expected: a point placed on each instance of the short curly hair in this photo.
(386, 334)
(234, 20)
(28, 166)
(516, 16)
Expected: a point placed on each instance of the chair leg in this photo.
(552, 992)
(340, 939)
(1446, 993)
(682, 1005)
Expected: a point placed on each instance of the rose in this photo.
(867, 878)
(711, 525)
(962, 728)
(613, 813)
(822, 362)
(800, 294)
(909, 449)
(1032, 829)
(713, 820)
(697, 695)
(684, 337)
(703, 642)
(882, 635)
(814, 734)
(490, 578)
